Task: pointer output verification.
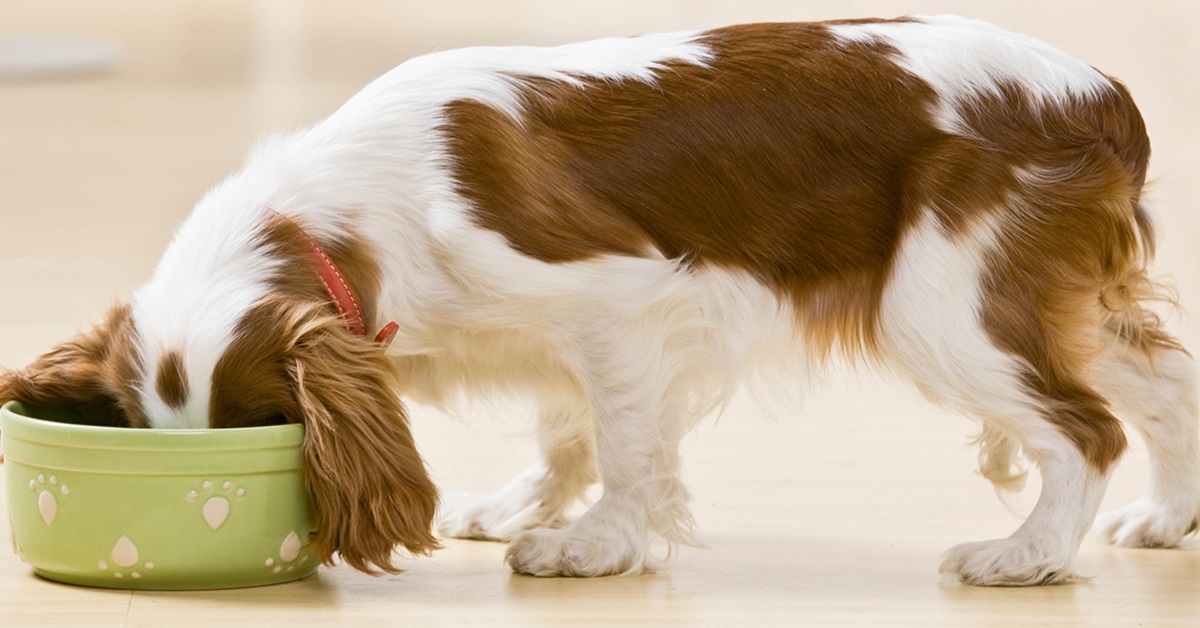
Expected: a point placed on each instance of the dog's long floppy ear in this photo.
(364, 475)
(93, 374)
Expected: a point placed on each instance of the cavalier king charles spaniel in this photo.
(622, 231)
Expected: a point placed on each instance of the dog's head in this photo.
(259, 346)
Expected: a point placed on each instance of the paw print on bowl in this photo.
(290, 555)
(216, 502)
(125, 559)
(51, 491)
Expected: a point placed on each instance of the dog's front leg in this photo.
(638, 409)
(539, 496)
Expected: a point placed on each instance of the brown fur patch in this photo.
(91, 374)
(787, 158)
(250, 385)
(171, 382)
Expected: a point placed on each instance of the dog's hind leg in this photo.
(539, 496)
(1042, 549)
(959, 337)
(1151, 383)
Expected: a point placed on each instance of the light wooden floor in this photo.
(833, 516)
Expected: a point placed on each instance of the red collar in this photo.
(339, 291)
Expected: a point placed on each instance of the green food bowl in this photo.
(155, 509)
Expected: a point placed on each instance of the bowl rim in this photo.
(16, 422)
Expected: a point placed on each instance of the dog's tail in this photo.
(1130, 303)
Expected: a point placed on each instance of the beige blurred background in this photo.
(834, 515)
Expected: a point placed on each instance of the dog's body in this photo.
(622, 230)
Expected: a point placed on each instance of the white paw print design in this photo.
(216, 506)
(125, 558)
(289, 551)
(48, 498)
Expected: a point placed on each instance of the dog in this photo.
(623, 231)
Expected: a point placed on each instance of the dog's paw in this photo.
(1011, 562)
(492, 517)
(561, 553)
(1146, 523)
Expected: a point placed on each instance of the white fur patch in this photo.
(206, 280)
(929, 319)
(962, 58)
(492, 74)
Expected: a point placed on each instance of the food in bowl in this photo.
(155, 509)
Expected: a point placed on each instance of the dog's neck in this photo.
(341, 295)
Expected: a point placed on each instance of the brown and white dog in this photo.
(623, 230)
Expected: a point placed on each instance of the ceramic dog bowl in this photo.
(155, 509)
